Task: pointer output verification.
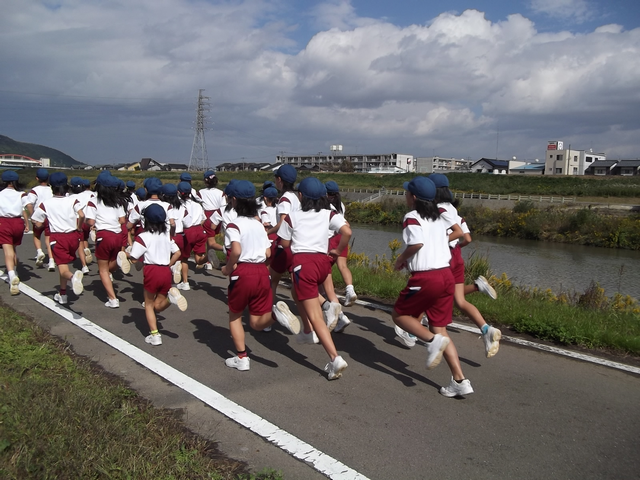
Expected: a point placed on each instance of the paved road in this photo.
(534, 414)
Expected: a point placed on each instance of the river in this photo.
(559, 266)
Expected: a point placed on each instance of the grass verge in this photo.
(63, 417)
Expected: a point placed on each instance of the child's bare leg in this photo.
(314, 313)
(275, 280)
(344, 270)
(260, 322)
(161, 303)
(149, 311)
(65, 275)
(237, 330)
(185, 270)
(412, 325)
(467, 308)
(103, 270)
(10, 259)
(329, 291)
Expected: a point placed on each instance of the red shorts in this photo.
(108, 244)
(457, 264)
(11, 230)
(280, 257)
(209, 229)
(179, 239)
(250, 286)
(333, 243)
(157, 279)
(37, 232)
(194, 240)
(64, 247)
(86, 229)
(308, 271)
(125, 235)
(431, 292)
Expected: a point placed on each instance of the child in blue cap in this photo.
(13, 224)
(36, 195)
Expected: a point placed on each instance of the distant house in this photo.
(529, 169)
(601, 167)
(486, 165)
(626, 168)
(176, 166)
(150, 164)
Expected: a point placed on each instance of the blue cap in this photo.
(184, 187)
(141, 193)
(104, 178)
(332, 187)
(287, 173)
(86, 182)
(154, 213)
(76, 182)
(209, 174)
(169, 189)
(42, 174)
(57, 179)
(312, 188)
(229, 190)
(244, 189)
(9, 176)
(185, 177)
(270, 192)
(131, 184)
(153, 185)
(120, 183)
(268, 184)
(439, 180)
(421, 187)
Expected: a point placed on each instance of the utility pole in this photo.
(199, 160)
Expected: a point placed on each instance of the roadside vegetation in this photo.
(589, 319)
(63, 417)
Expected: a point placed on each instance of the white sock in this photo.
(350, 288)
(12, 274)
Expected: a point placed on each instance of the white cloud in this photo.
(576, 10)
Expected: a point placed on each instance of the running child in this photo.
(77, 190)
(304, 231)
(65, 217)
(431, 286)
(160, 252)
(177, 212)
(211, 199)
(195, 240)
(248, 247)
(36, 195)
(13, 224)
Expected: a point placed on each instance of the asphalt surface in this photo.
(533, 414)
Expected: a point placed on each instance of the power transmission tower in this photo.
(199, 160)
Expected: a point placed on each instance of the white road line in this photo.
(301, 450)
(527, 343)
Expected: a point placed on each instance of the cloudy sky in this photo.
(117, 80)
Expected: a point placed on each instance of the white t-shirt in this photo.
(84, 197)
(157, 248)
(194, 214)
(252, 237)
(177, 214)
(288, 203)
(224, 216)
(136, 215)
(106, 218)
(450, 215)
(268, 216)
(308, 230)
(37, 194)
(62, 213)
(211, 198)
(433, 236)
(12, 203)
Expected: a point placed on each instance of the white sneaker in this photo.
(435, 348)
(85, 270)
(76, 282)
(286, 318)
(424, 320)
(155, 339)
(208, 266)
(456, 389)
(177, 299)
(491, 341)
(14, 287)
(484, 287)
(39, 258)
(92, 235)
(343, 322)
(241, 364)
(408, 339)
(112, 303)
(123, 262)
(307, 338)
(335, 367)
(183, 286)
(52, 265)
(176, 270)
(212, 256)
(331, 315)
(88, 257)
(350, 297)
(61, 299)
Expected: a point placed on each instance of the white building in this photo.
(441, 165)
(9, 160)
(561, 161)
(369, 163)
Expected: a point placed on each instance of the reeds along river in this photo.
(559, 266)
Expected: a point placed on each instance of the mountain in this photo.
(58, 159)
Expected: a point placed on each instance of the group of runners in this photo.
(300, 229)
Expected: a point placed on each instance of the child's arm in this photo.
(234, 255)
(409, 252)
(456, 232)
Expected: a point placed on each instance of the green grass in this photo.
(62, 417)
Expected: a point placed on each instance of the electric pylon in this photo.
(199, 160)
